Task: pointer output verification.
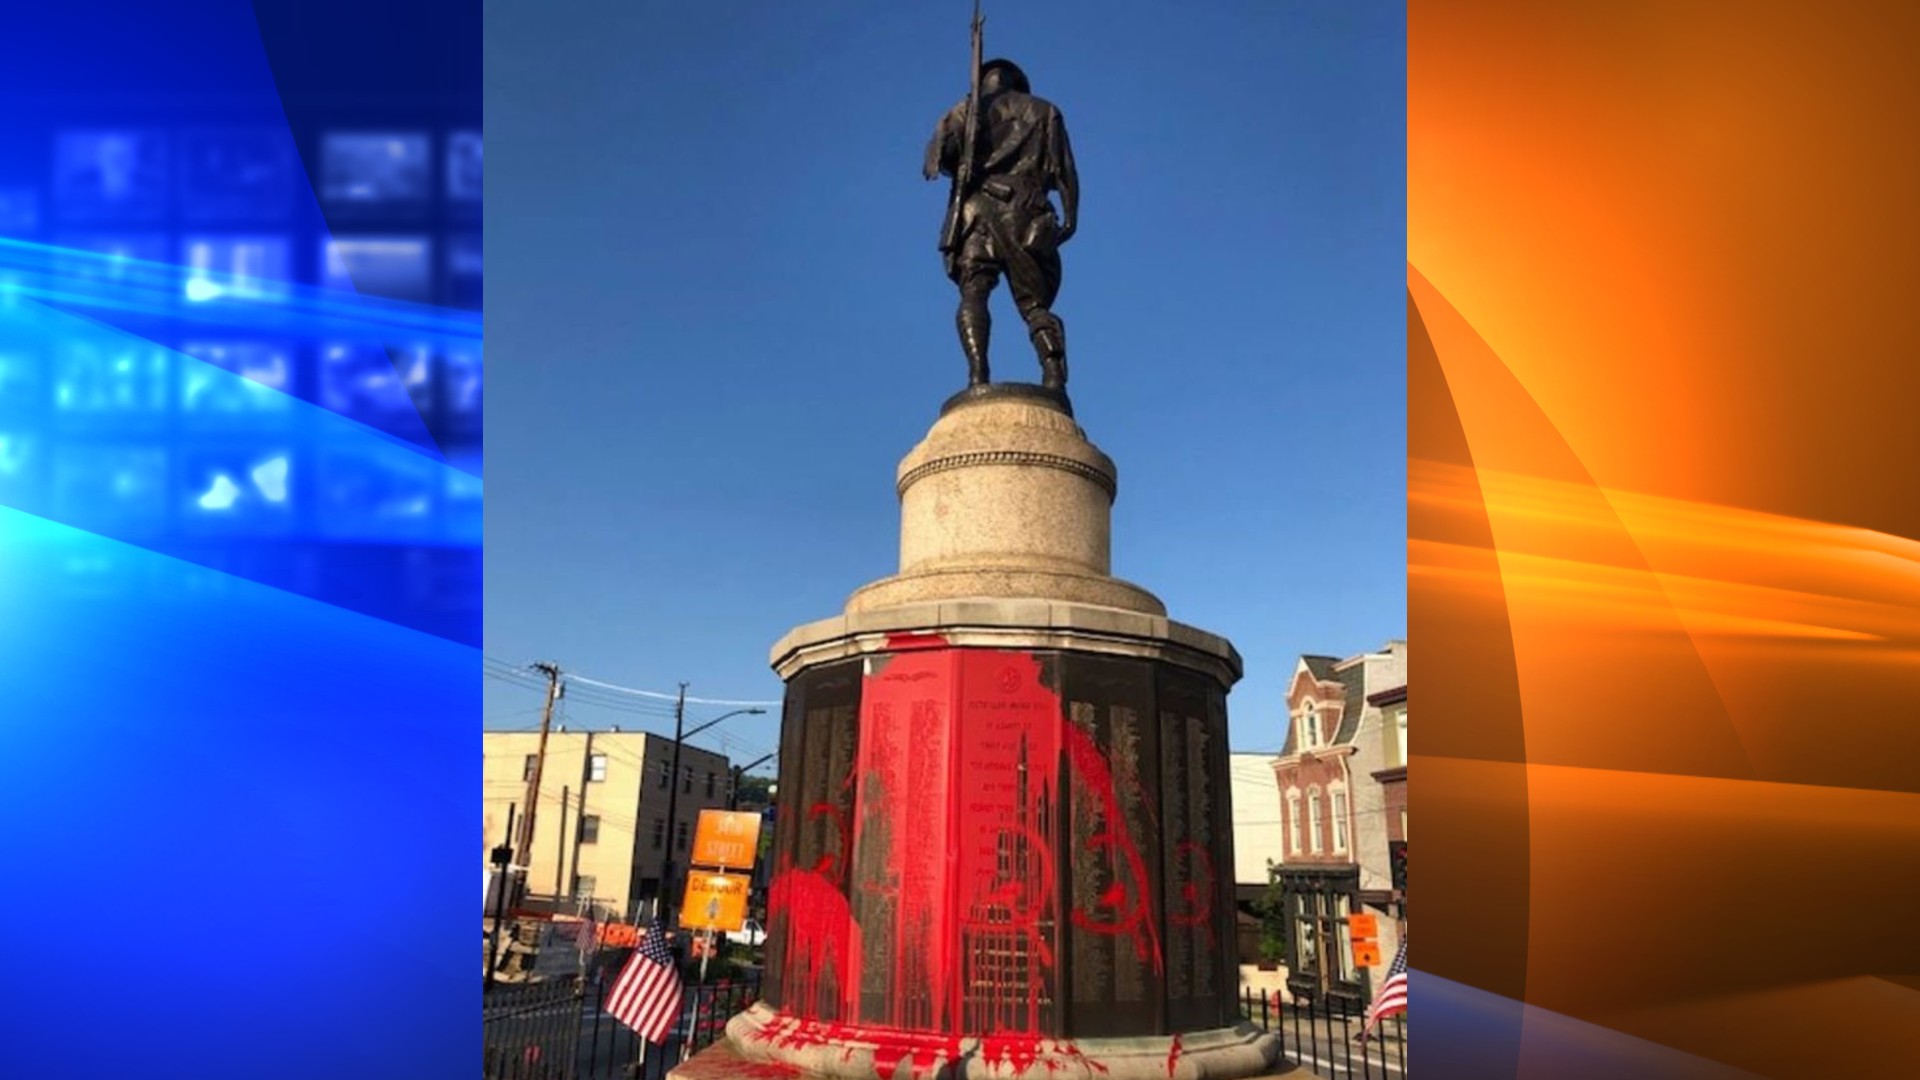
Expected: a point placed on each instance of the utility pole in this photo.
(680, 734)
(668, 902)
(580, 810)
(502, 858)
(552, 672)
(560, 852)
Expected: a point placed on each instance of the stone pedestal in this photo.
(1002, 845)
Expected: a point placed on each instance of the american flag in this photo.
(586, 933)
(1392, 997)
(646, 996)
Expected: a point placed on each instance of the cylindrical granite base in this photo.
(1002, 848)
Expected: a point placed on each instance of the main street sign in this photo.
(729, 838)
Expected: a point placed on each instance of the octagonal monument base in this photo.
(1002, 845)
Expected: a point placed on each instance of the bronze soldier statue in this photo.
(1005, 222)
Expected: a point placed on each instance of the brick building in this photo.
(1338, 817)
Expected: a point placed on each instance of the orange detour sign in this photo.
(1363, 926)
(1366, 954)
(727, 838)
(715, 901)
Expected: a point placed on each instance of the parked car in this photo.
(750, 933)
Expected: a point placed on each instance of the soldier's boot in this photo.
(975, 330)
(1051, 344)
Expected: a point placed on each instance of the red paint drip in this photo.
(823, 943)
(1173, 1056)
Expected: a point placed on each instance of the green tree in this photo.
(1271, 908)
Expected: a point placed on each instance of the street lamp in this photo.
(740, 773)
(680, 735)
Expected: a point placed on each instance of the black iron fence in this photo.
(560, 1029)
(1324, 1037)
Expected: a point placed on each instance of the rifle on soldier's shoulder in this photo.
(951, 229)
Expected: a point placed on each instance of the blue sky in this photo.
(715, 321)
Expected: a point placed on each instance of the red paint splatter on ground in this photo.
(891, 1047)
(1173, 1056)
(923, 1052)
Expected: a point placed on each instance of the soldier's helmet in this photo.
(996, 75)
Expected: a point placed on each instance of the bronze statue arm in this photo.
(943, 150)
(1066, 179)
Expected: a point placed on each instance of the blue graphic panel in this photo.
(240, 508)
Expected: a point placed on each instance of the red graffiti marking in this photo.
(1125, 906)
(1173, 1056)
(1197, 894)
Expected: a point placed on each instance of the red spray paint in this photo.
(955, 828)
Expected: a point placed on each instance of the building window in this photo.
(590, 829)
(526, 771)
(680, 836)
(583, 886)
(1400, 725)
(1309, 725)
(597, 768)
(1314, 841)
(1293, 821)
(666, 775)
(686, 779)
(709, 785)
(1339, 819)
(1306, 933)
(659, 832)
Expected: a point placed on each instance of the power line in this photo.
(667, 697)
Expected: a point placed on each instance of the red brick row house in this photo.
(1342, 782)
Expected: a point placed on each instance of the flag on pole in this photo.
(1392, 997)
(586, 932)
(646, 996)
